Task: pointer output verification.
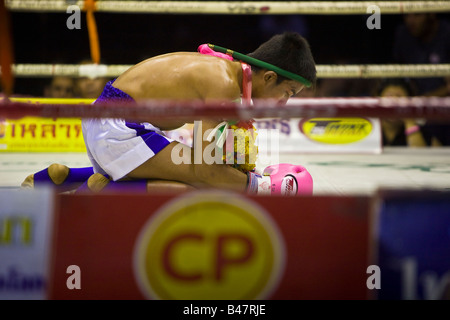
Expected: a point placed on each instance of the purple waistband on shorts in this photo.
(111, 93)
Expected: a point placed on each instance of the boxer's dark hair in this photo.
(289, 51)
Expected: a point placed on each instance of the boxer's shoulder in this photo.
(189, 75)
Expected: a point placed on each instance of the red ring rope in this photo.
(437, 108)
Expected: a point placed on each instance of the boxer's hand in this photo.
(284, 178)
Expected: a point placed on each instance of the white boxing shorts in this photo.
(115, 146)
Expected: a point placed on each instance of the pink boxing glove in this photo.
(284, 179)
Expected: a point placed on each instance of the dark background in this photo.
(129, 38)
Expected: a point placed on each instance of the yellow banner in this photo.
(35, 134)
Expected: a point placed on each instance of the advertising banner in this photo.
(36, 134)
(412, 245)
(210, 245)
(26, 219)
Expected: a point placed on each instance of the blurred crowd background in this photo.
(129, 38)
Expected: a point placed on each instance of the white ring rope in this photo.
(323, 71)
(237, 7)
(383, 71)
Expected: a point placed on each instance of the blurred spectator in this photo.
(409, 132)
(270, 25)
(333, 87)
(91, 81)
(424, 39)
(399, 132)
(60, 87)
(342, 86)
(437, 133)
(90, 87)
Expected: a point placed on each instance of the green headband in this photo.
(261, 64)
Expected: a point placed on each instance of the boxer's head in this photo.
(288, 51)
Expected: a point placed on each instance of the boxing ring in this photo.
(397, 168)
(367, 209)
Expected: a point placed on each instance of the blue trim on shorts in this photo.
(111, 93)
(155, 141)
(140, 128)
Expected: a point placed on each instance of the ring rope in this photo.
(241, 7)
(436, 108)
(323, 71)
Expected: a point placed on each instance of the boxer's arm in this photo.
(208, 167)
(206, 135)
(224, 89)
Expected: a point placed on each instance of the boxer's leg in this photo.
(153, 159)
(59, 176)
(163, 186)
(161, 167)
(98, 182)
